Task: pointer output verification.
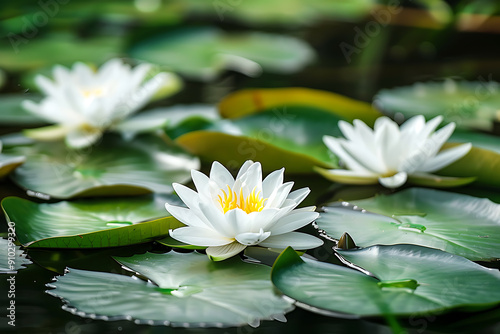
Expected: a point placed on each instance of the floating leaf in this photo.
(12, 258)
(481, 162)
(13, 114)
(291, 138)
(408, 280)
(64, 49)
(89, 223)
(113, 167)
(480, 140)
(8, 163)
(249, 101)
(202, 53)
(166, 118)
(456, 223)
(468, 104)
(188, 290)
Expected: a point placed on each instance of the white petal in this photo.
(251, 239)
(244, 168)
(445, 157)
(299, 195)
(334, 144)
(187, 195)
(221, 175)
(237, 222)
(250, 180)
(395, 181)
(292, 222)
(79, 138)
(295, 239)
(185, 216)
(262, 219)
(277, 198)
(199, 236)
(216, 218)
(224, 252)
(201, 181)
(387, 140)
(272, 182)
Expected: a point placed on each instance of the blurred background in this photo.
(352, 47)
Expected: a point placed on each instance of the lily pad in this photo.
(12, 258)
(202, 53)
(113, 167)
(480, 140)
(185, 290)
(482, 162)
(168, 118)
(20, 54)
(249, 101)
(407, 280)
(13, 114)
(92, 223)
(468, 104)
(290, 137)
(459, 224)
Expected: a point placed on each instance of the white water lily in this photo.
(390, 154)
(84, 103)
(227, 214)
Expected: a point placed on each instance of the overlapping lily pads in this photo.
(468, 104)
(407, 279)
(184, 290)
(289, 137)
(456, 223)
(12, 258)
(202, 53)
(113, 167)
(91, 223)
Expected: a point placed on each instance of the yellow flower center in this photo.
(231, 200)
(93, 92)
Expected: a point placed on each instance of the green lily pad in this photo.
(8, 163)
(185, 290)
(249, 101)
(468, 104)
(407, 280)
(456, 223)
(20, 54)
(13, 114)
(92, 223)
(289, 137)
(480, 140)
(113, 167)
(12, 258)
(481, 162)
(290, 12)
(168, 118)
(202, 53)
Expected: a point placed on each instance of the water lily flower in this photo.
(227, 214)
(84, 103)
(389, 154)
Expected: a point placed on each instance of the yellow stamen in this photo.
(95, 92)
(231, 200)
